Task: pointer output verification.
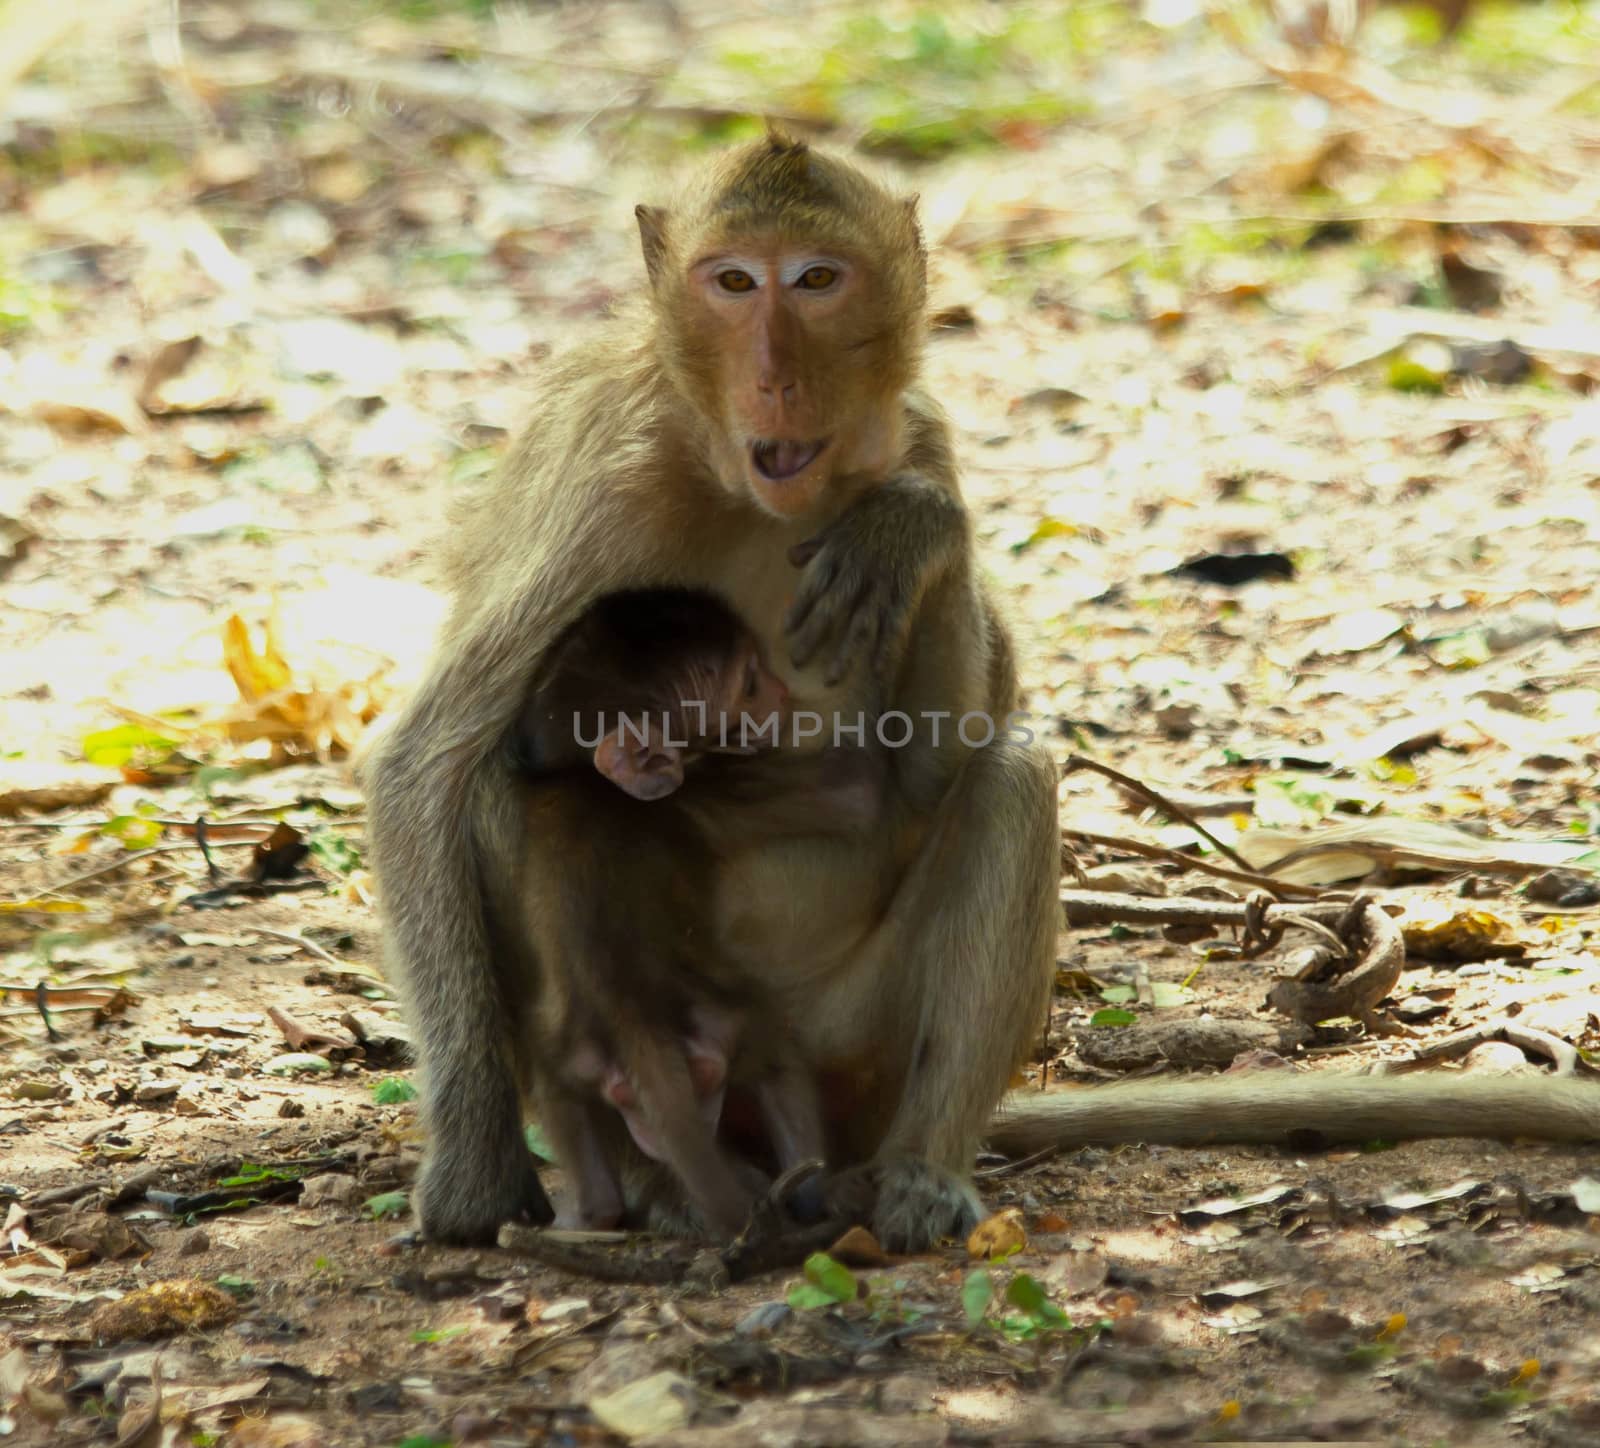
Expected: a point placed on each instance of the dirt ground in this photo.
(1272, 369)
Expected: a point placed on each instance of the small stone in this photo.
(329, 1190)
(1568, 889)
(290, 1107)
(564, 1307)
(195, 1244)
(1499, 1058)
(763, 1320)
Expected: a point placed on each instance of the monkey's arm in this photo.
(1300, 1112)
(444, 819)
(867, 572)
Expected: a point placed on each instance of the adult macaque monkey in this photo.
(756, 431)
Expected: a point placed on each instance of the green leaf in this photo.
(136, 832)
(251, 1175)
(1118, 995)
(436, 1334)
(1502, 1400)
(1113, 1017)
(1369, 1354)
(392, 1090)
(240, 1287)
(334, 851)
(834, 1278)
(1464, 650)
(1046, 528)
(209, 776)
(977, 1292)
(121, 743)
(538, 1142)
(1025, 1292)
(423, 1440)
(803, 1297)
(1416, 373)
(387, 1204)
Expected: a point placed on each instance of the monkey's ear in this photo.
(653, 238)
(909, 205)
(646, 771)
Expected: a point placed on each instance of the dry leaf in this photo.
(998, 1236)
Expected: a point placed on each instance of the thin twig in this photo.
(112, 866)
(309, 946)
(1194, 862)
(1076, 762)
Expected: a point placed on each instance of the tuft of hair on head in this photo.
(781, 142)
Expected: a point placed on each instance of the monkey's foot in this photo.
(919, 1203)
(466, 1200)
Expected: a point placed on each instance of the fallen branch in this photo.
(1332, 987)
(1102, 907)
(1567, 1059)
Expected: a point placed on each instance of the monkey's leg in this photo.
(679, 1134)
(467, 998)
(576, 1131)
(791, 1111)
(963, 972)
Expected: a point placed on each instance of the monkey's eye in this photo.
(818, 278)
(734, 280)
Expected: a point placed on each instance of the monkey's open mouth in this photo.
(779, 459)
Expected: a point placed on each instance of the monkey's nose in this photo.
(784, 392)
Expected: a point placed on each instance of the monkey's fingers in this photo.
(815, 586)
(830, 615)
(860, 639)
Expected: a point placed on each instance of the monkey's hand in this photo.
(866, 572)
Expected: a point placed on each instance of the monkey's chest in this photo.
(796, 913)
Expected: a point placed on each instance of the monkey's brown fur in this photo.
(917, 954)
(629, 971)
(914, 958)
(630, 976)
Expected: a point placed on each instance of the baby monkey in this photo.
(640, 687)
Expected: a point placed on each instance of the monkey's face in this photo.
(749, 687)
(713, 690)
(789, 332)
(788, 296)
